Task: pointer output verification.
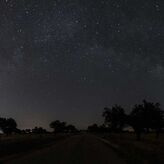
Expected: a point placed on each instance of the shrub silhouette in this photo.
(95, 128)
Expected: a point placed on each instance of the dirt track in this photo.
(81, 149)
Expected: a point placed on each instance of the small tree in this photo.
(93, 128)
(58, 126)
(71, 128)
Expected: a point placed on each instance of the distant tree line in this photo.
(62, 127)
(9, 126)
(144, 117)
(96, 128)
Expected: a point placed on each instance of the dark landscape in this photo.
(123, 138)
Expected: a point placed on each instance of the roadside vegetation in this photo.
(14, 141)
(138, 136)
(149, 150)
(143, 119)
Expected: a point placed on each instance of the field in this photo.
(16, 145)
(147, 151)
(76, 149)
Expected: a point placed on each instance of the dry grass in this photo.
(147, 151)
(16, 144)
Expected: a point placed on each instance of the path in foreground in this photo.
(81, 149)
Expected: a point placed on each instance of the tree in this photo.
(153, 116)
(136, 120)
(93, 128)
(146, 116)
(8, 125)
(39, 130)
(71, 128)
(58, 126)
(115, 118)
(103, 128)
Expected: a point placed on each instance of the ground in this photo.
(79, 149)
(82, 148)
(149, 150)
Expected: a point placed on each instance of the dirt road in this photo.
(80, 149)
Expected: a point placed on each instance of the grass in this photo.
(16, 144)
(147, 151)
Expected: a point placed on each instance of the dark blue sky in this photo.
(67, 60)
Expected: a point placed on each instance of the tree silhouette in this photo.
(71, 129)
(8, 125)
(39, 130)
(103, 128)
(100, 129)
(93, 128)
(115, 118)
(58, 126)
(153, 116)
(136, 120)
(146, 116)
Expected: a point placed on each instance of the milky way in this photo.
(68, 59)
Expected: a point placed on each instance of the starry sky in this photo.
(68, 59)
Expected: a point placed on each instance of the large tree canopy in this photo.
(8, 125)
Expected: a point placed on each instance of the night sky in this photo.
(68, 59)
